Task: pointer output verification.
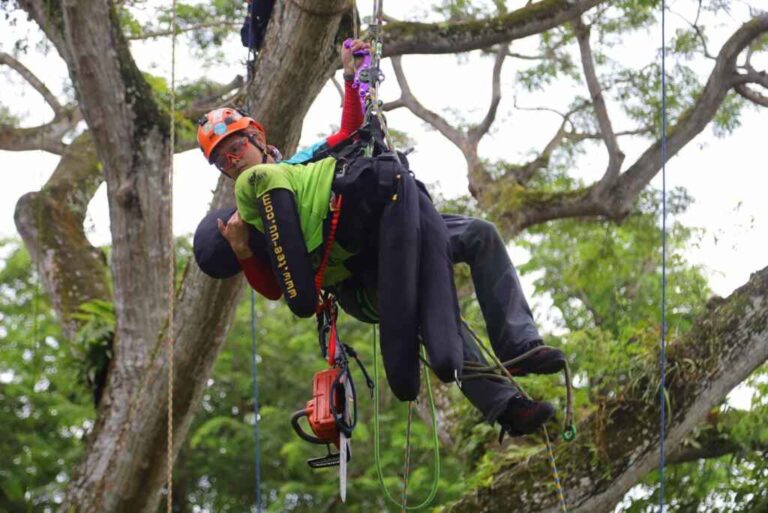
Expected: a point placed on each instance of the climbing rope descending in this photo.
(377, 438)
(555, 474)
(171, 270)
(407, 463)
(475, 371)
(663, 344)
(254, 372)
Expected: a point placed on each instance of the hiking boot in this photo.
(537, 359)
(523, 416)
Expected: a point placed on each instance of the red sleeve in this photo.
(351, 114)
(260, 277)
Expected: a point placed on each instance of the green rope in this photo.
(407, 463)
(377, 437)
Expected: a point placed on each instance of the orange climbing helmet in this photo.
(215, 126)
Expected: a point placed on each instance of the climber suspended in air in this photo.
(390, 261)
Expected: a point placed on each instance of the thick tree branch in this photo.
(215, 99)
(715, 439)
(411, 37)
(618, 444)
(750, 94)
(692, 122)
(751, 76)
(44, 137)
(124, 465)
(615, 155)
(531, 207)
(466, 142)
(266, 95)
(48, 16)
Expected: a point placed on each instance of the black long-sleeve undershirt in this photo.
(287, 251)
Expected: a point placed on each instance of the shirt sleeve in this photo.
(351, 114)
(287, 251)
(254, 183)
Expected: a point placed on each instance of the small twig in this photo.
(476, 133)
(214, 99)
(615, 155)
(32, 79)
(453, 134)
(181, 30)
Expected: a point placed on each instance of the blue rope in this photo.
(255, 373)
(663, 356)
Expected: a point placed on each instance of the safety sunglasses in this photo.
(225, 160)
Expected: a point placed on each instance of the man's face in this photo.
(235, 154)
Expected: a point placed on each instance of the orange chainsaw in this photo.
(332, 411)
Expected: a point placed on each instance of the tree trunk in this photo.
(619, 444)
(124, 467)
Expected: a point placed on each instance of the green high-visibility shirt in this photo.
(311, 186)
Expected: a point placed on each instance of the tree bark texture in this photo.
(51, 224)
(619, 443)
(124, 466)
(127, 146)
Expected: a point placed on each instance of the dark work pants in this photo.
(508, 318)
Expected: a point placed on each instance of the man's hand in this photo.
(236, 232)
(349, 61)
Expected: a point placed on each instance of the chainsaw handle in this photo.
(300, 431)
